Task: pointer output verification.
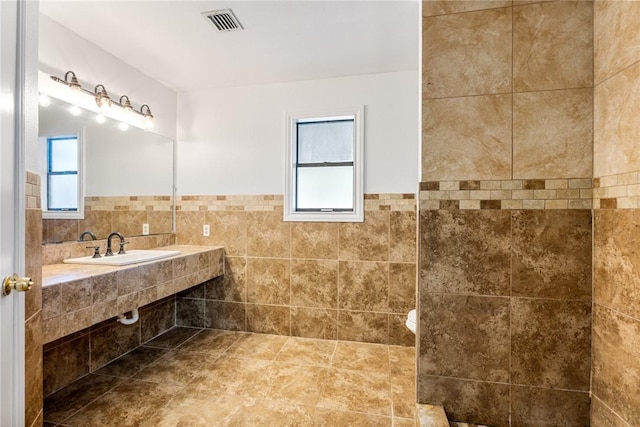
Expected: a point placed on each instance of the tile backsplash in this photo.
(102, 215)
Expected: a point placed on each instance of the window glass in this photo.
(64, 154)
(62, 174)
(63, 192)
(330, 141)
(325, 188)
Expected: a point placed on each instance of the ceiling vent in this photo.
(223, 20)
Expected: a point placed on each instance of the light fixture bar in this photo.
(102, 97)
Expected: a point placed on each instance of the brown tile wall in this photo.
(347, 281)
(33, 303)
(75, 302)
(616, 319)
(74, 356)
(505, 211)
(105, 214)
(505, 302)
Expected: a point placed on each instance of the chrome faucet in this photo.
(122, 243)
(85, 234)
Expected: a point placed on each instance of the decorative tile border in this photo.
(620, 191)
(390, 202)
(128, 203)
(507, 194)
(271, 202)
(268, 202)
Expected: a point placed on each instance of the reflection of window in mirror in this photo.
(62, 187)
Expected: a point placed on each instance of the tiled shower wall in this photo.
(505, 326)
(505, 219)
(33, 303)
(616, 313)
(346, 281)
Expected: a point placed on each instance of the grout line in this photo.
(617, 312)
(610, 409)
(512, 98)
(620, 71)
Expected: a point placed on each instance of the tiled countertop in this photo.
(76, 296)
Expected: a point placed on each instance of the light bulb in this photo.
(103, 104)
(102, 98)
(75, 110)
(148, 123)
(123, 126)
(148, 117)
(100, 118)
(44, 100)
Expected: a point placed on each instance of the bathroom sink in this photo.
(131, 257)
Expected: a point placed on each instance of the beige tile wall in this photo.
(552, 132)
(481, 126)
(489, 112)
(347, 281)
(615, 37)
(616, 321)
(33, 303)
(552, 48)
(505, 211)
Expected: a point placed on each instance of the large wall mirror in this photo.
(125, 176)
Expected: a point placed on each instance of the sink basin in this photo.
(131, 257)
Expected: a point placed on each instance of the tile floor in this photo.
(192, 377)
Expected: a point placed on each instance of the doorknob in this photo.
(20, 284)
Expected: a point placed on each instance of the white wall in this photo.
(31, 85)
(232, 140)
(61, 50)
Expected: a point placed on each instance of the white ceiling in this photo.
(282, 40)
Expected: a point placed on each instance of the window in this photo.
(324, 167)
(64, 197)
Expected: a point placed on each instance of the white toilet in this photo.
(411, 321)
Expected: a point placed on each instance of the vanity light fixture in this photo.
(148, 117)
(104, 102)
(102, 97)
(73, 84)
(72, 81)
(127, 104)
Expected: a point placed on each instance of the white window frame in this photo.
(79, 214)
(290, 213)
